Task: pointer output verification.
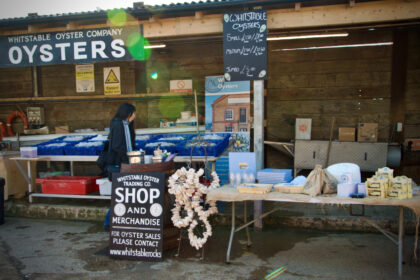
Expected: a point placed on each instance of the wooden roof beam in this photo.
(317, 16)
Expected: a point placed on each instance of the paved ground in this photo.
(51, 249)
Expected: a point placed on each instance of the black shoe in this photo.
(106, 227)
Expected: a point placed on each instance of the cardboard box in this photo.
(346, 134)
(303, 129)
(62, 129)
(367, 132)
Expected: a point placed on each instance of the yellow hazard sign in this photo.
(112, 80)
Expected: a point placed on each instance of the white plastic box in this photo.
(29, 152)
(104, 186)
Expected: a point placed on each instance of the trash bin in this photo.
(2, 183)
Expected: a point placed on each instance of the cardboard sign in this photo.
(180, 86)
(85, 78)
(303, 129)
(137, 202)
(112, 80)
(245, 45)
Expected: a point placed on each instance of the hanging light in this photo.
(339, 46)
(308, 36)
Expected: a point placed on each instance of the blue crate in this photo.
(141, 143)
(72, 150)
(173, 138)
(73, 138)
(221, 141)
(45, 150)
(212, 137)
(98, 137)
(171, 149)
(213, 149)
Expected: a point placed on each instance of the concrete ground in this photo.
(54, 249)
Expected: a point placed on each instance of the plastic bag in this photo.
(330, 183)
(320, 181)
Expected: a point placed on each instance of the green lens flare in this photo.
(154, 75)
(171, 107)
(117, 17)
(135, 45)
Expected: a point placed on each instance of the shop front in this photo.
(346, 67)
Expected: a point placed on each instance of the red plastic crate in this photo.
(69, 184)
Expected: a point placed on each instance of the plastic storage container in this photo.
(68, 184)
(51, 148)
(338, 169)
(104, 186)
(86, 148)
(29, 152)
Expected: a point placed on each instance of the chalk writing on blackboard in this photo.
(245, 45)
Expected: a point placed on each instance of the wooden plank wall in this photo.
(350, 84)
(411, 161)
(412, 116)
(178, 61)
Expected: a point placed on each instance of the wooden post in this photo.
(35, 81)
(398, 84)
(259, 142)
(196, 114)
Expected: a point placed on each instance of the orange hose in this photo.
(13, 116)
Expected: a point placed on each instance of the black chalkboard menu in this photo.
(137, 202)
(245, 45)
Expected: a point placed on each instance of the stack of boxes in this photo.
(384, 185)
(377, 186)
(366, 133)
(400, 188)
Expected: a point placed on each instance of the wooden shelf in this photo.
(87, 196)
(95, 97)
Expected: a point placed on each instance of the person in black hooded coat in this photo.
(118, 134)
(122, 140)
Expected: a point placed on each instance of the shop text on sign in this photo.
(245, 45)
(137, 216)
(81, 46)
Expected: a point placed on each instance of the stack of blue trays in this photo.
(274, 176)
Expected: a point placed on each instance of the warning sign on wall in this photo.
(112, 80)
(85, 78)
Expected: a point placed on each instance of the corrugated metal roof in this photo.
(145, 10)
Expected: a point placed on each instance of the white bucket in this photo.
(104, 186)
(337, 170)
